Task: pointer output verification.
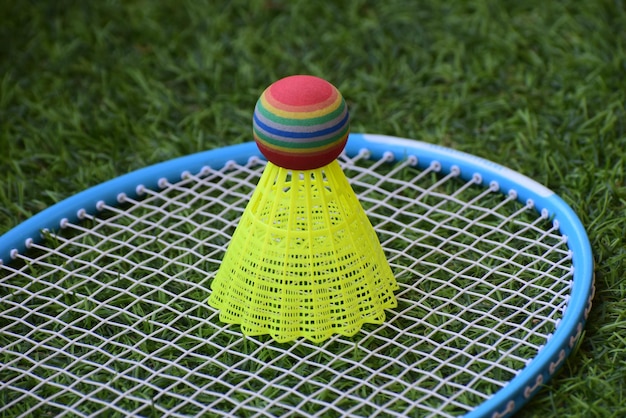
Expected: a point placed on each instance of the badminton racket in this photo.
(103, 296)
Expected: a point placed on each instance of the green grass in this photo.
(92, 90)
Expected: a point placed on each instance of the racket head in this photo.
(508, 398)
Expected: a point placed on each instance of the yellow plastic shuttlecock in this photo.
(304, 260)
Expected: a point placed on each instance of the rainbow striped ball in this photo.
(301, 122)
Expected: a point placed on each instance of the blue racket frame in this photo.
(507, 400)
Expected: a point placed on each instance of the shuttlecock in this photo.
(304, 260)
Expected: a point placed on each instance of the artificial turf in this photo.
(92, 90)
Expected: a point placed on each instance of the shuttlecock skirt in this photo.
(304, 260)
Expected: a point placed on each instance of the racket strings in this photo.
(110, 313)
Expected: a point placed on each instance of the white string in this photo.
(110, 316)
